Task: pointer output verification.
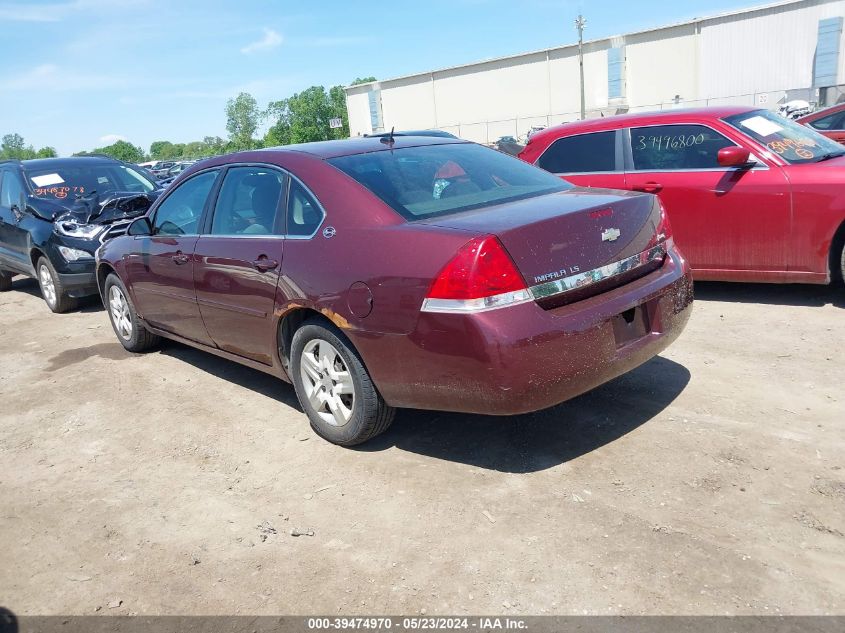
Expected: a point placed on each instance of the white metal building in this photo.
(759, 56)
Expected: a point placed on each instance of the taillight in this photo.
(664, 228)
(481, 276)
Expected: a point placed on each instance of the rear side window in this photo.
(304, 214)
(180, 212)
(673, 147)
(835, 121)
(583, 153)
(248, 201)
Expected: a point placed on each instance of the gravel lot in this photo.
(709, 481)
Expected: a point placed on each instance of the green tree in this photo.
(160, 150)
(306, 117)
(214, 145)
(122, 150)
(242, 115)
(46, 152)
(362, 80)
(13, 146)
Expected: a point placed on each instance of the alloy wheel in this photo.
(48, 286)
(119, 309)
(327, 382)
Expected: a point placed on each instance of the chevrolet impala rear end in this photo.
(382, 273)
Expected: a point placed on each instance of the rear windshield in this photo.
(62, 183)
(423, 182)
(793, 142)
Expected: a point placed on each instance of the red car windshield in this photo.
(791, 141)
(432, 180)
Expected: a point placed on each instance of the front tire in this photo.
(54, 294)
(5, 281)
(125, 322)
(334, 388)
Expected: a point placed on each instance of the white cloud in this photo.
(270, 40)
(110, 139)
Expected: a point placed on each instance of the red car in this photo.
(416, 272)
(829, 122)
(751, 196)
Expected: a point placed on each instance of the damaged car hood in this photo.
(95, 208)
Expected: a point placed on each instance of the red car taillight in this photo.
(481, 276)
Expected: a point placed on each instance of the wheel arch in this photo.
(290, 323)
(837, 244)
(103, 271)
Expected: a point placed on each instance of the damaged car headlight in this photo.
(72, 228)
(74, 254)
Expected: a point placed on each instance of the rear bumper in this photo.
(524, 358)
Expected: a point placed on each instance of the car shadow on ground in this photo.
(30, 286)
(809, 295)
(241, 375)
(541, 440)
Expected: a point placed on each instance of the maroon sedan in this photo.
(829, 122)
(408, 272)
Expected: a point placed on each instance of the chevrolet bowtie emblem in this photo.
(610, 235)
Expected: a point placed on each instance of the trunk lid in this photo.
(571, 232)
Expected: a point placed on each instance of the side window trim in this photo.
(617, 158)
(629, 151)
(203, 213)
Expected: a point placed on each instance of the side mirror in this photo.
(141, 226)
(734, 156)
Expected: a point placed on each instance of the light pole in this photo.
(580, 24)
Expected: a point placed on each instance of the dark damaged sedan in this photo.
(388, 272)
(55, 212)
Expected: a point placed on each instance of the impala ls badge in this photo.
(610, 235)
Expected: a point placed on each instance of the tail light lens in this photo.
(481, 276)
(663, 233)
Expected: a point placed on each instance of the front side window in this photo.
(303, 214)
(793, 142)
(433, 180)
(583, 153)
(676, 147)
(180, 212)
(11, 191)
(248, 201)
(68, 182)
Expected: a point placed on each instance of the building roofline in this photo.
(725, 14)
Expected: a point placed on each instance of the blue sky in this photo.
(77, 74)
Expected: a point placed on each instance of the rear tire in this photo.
(334, 388)
(54, 294)
(5, 281)
(127, 325)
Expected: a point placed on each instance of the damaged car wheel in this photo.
(131, 332)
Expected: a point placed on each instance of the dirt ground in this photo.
(709, 481)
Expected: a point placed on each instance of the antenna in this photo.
(389, 140)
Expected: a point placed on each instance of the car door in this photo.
(238, 259)
(161, 268)
(594, 159)
(14, 222)
(723, 218)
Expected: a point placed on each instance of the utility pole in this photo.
(580, 24)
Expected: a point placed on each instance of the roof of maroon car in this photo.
(361, 145)
(624, 120)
